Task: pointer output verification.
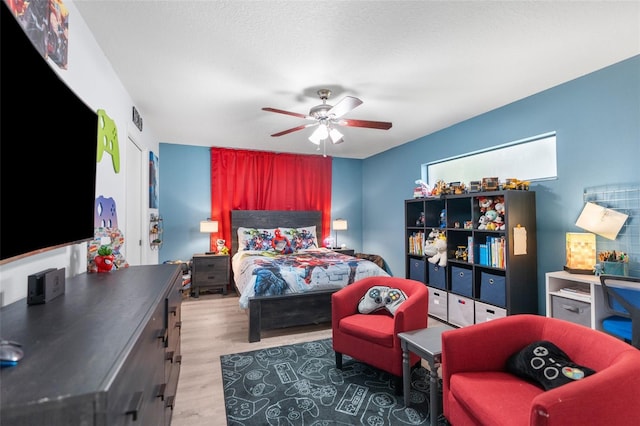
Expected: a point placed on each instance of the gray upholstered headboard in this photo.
(273, 219)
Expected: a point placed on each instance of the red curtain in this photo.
(262, 180)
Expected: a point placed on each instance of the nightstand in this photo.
(209, 271)
(350, 252)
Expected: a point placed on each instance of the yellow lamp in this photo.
(581, 253)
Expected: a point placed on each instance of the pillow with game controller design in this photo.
(546, 365)
(373, 300)
(394, 299)
(379, 297)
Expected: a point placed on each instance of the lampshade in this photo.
(320, 134)
(581, 252)
(340, 225)
(336, 136)
(209, 226)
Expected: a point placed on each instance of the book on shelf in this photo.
(581, 291)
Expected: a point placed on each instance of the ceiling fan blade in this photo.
(345, 105)
(281, 111)
(383, 125)
(294, 129)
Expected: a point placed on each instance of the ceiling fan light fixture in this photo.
(320, 134)
(336, 136)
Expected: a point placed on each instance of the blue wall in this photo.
(597, 123)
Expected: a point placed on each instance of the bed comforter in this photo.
(267, 273)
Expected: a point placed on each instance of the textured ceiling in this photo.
(200, 71)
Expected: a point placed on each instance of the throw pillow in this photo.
(546, 365)
(379, 297)
(255, 239)
(301, 238)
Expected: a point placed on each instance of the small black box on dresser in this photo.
(209, 271)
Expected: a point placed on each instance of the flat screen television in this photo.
(48, 148)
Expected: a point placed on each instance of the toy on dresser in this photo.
(491, 213)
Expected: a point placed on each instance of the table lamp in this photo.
(209, 226)
(581, 253)
(339, 225)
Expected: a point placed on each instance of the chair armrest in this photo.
(412, 314)
(344, 302)
(607, 397)
(487, 346)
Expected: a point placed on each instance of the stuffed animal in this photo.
(485, 203)
(440, 258)
(429, 248)
(220, 245)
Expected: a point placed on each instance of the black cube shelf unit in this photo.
(467, 291)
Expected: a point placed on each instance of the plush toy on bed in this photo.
(440, 257)
(220, 246)
(281, 243)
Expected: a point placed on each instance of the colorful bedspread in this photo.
(260, 273)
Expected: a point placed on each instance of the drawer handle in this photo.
(178, 324)
(170, 402)
(161, 390)
(174, 310)
(573, 309)
(169, 356)
(134, 405)
(461, 274)
(163, 335)
(179, 359)
(491, 281)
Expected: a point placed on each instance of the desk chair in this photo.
(622, 300)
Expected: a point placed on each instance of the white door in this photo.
(133, 232)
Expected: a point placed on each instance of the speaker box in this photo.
(45, 286)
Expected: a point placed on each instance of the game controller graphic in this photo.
(108, 139)
(325, 393)
(373, 300)
(235, 362)
(381, 297)
(394, 299)
(312, 369)
(272, 356)
(291, 411)
(242, 409)
(254, 382)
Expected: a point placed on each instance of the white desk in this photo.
(594, 299)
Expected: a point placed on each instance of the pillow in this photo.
(255, 239)
(301, 238)
(546, 365)
(379, 297)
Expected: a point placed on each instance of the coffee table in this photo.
(427, 344)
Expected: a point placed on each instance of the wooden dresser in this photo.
(107, 352)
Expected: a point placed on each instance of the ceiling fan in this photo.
(328, 117)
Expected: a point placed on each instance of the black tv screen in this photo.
(48, 147)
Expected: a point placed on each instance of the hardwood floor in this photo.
(214, 325)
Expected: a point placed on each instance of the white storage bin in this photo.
(461, 310)
(438, 303)
(486, 312)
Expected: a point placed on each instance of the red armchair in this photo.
(373, 338)
(478, 390)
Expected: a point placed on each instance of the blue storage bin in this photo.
(416, 270)
(461, 281)
(492, 289)
(437, 276)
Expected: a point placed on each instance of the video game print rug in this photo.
(299, 385)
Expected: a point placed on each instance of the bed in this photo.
(290, 286)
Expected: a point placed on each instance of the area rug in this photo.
(299, 385)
